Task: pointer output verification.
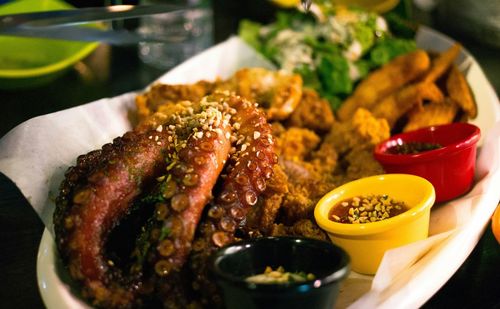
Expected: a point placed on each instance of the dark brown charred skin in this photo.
(250, 167)
(96, 194)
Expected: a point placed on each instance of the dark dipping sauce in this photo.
(413, 148)
(366, 209)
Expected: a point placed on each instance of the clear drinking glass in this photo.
(185, 34)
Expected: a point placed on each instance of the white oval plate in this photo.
(222, 60)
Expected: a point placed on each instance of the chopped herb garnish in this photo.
(165, 231)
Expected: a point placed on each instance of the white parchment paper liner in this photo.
(36, 154)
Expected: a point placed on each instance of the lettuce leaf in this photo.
(249, 32)
(389, 48)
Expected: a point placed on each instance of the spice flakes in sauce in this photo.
(366, 209)
(413, 148)
(279, 275)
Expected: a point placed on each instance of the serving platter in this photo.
(421, 268)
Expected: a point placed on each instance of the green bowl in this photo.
(30, 62)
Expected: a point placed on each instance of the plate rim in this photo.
(48, 252)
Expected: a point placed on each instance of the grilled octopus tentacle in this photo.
(192, 146)
(184, 192)
(100, 191)
(251, 165)
(95, 195)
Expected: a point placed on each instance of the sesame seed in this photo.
(159, 128)
(256, 135)
(161, 178)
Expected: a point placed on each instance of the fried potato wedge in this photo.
(459, 91)
(431, 114)
(384, 81)
(442, 63)
(400, 102)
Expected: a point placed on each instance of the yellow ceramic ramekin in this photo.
(366, 243)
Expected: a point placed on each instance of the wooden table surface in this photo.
(112, 71)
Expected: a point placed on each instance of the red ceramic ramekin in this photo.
(450, 169)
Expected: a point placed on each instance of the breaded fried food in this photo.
(277, 92)
(163, 114)
(299, 171)
(432, 114)
(308, 170)
(149, 102)
(363, 129)
(351, 145)
(297, 204)
(301, 199)
(324, 160)
(459, 91)
(313, 113)
(346, 152)
(384, 81)
(402, 101)
(442, 63)
(305, 187)
(304, 228)
(297, 143)
(361, 163)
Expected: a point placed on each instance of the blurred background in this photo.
(114, 70)
(104, 75)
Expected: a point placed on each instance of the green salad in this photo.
(331, 52)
